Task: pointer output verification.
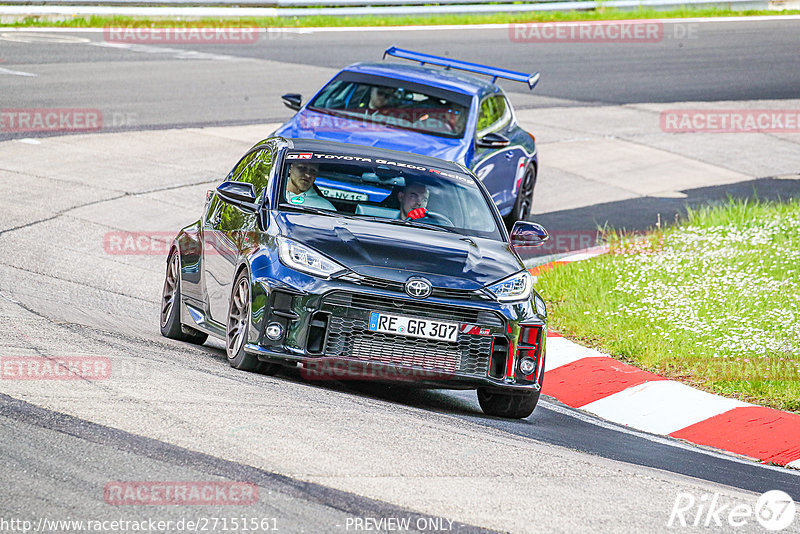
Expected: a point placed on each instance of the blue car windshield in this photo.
(395, 106)
(387, 191)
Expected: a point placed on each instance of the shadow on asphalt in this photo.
(577, 229)
(435, 400)
(559, 427)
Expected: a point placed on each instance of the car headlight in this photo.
(513, 288)
(306, 259)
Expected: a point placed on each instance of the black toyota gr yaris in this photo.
(358, 263)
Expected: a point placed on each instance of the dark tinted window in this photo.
(392, 105)
(386, 190)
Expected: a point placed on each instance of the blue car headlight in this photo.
(513, 288)
(305, 259)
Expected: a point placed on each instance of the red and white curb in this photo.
(589, 380)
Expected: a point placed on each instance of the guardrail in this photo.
(273, 8)
(260, 3)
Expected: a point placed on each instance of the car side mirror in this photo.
(241, 194)
(528, 234)
(292, 101)
(493, 140)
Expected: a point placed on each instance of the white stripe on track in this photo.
(661, 407)
(15, 72)
(562, 351)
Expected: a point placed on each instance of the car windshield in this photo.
(386, 191)
(385, 102)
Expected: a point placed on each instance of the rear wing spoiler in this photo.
(447, 63)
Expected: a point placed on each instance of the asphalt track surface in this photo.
(158, 85)
(322, 453)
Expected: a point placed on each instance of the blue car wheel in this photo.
(524, 202)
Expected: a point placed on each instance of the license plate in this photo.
(413, 327)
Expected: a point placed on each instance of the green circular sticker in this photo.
(297, 200)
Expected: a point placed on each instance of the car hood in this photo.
(395, 253)
(307, 124)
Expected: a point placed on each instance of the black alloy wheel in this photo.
(524, 202)
(238, 327)
(171, 326)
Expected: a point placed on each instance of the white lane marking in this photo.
(586, 254)
(661, 407)
(175, 53)
(661, 440)
(669, 194)
(29, 141)
(562, 351)
(16, 72)
(34, 37)
(441, 27)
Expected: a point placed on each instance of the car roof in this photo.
(371, 152)
(435, 77)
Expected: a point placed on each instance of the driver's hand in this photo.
(417, 213)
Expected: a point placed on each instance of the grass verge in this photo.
(713, 301)
(394, 20)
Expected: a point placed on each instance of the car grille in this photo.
(349, 335)
(399, 287)
(417, 308)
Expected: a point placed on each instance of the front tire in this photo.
(509, 405)
(171, 326)
(238, 326)
(524, 202)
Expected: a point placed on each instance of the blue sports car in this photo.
(429, 111)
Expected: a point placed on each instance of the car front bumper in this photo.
(326, 331)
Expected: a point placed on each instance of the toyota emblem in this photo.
(418, 288)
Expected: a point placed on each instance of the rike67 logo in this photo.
(774, 511)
